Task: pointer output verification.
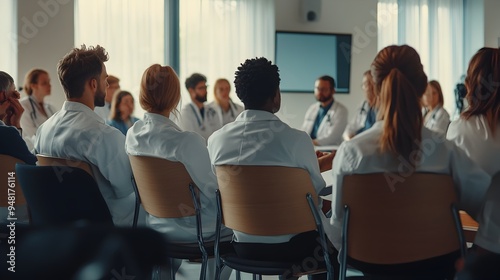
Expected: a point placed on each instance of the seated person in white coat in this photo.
(326, 120)
(258, 137)
(193, 115)
(77, 132)
(366, 115)
(435, 116)
(477, 132)
(36, 111)
(158, 136)
(398, 144)
(222, 110)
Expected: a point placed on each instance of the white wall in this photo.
(46, 33)
(356, 17)
(491, 23)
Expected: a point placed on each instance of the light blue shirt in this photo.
(77, 132)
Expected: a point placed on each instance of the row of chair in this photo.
(263, 201)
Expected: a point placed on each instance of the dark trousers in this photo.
(304, 250)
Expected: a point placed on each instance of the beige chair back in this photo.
(163, 186)
(7, 165)
(266, 200)
(409, 221)
(44, 160)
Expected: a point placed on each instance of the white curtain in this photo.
(132, 32)
(435, 28)
(8, 29)
(216, 36)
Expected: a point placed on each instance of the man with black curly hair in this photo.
(258, 137)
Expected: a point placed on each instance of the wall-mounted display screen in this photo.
(303, 57)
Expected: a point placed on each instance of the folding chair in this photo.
(268, 200)
(412, 221)
(166, 190)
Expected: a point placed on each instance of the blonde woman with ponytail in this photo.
(398, 144)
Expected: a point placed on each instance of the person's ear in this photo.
(93, 84)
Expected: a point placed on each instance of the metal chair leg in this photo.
(203, 270)
(172, 270)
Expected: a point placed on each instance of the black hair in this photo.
(329, 79)
(194, 79)
(256, 81)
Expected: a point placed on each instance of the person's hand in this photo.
(325, 160)
(14, 112)
(315, 143)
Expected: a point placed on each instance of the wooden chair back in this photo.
(45, 160)
(266, 200)
(405, 222)
(163, 186)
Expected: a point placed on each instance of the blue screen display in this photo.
(303, 57)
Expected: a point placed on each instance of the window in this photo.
(440, 43)
(131, 31)
(216, 36)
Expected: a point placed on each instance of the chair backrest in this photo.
(45, 160)
(410, 221)
(7, 165)
(163, 186)
(266, 200)
(56, 197)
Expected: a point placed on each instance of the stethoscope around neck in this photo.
(33, 111)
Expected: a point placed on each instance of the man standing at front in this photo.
(77, 132)
(193, 116)
(325, 122)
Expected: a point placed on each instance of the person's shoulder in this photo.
(461, 125)
(339, 106)
(190, 139)
(211, 104)
(9, 131)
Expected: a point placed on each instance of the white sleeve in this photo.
(110, 157)
(470, 180)
(355, 124)
(488, 235)
(194, 155)
(342, 165)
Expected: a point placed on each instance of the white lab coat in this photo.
(260, 138)
(358, 121)
(76, 132)
(438, 120)
(158, 136)
(218, 117)
(361, 155)
(191, 120)
(32, 118)
(474, 136)
(332, 126)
